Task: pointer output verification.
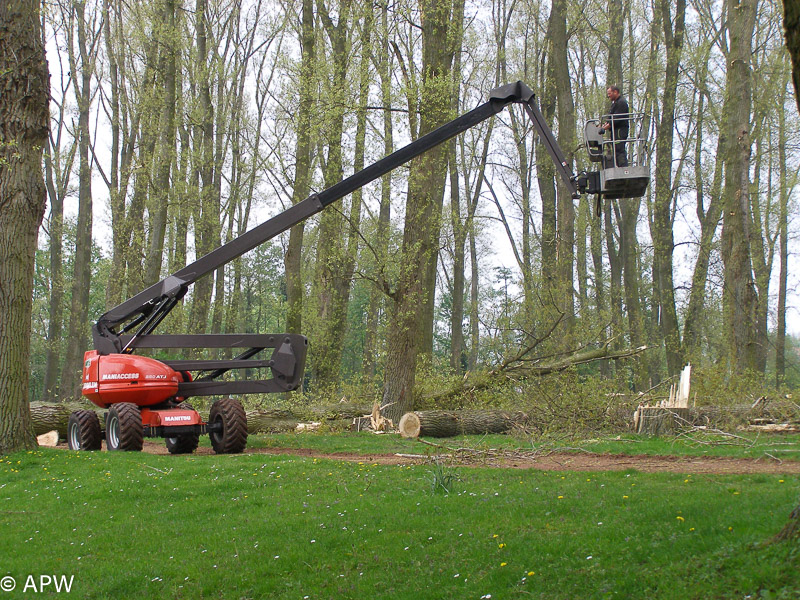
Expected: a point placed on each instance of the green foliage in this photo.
(442, 477)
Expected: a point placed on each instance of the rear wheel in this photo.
(228, 418)
(185, 443)
(83, 431)
(124, 427)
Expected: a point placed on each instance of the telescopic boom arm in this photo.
(142, 313)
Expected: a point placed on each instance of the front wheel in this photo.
(83, 431)
(185, 443)
(229, 423)
(124, 427)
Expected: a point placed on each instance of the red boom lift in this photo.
(146, 397)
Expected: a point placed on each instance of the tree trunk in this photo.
(78, 329)
(423, 214)
(168, 34)
(661, 229)
(791, 25)
(24, 119)
(565, 207)
(302, 175)
(628, 217)
(442, 423)
(376, 298)
(739, 295)
(57, 182)
(783, 228)
(207, 214)
(709, 221)
(334, 266)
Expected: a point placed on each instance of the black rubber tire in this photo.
(228, 412)
(185, 443)
(83, 431)
(124, 427)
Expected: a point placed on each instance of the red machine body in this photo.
(114, 378)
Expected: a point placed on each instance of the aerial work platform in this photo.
(624, 172)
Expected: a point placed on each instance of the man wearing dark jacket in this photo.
(618, 125)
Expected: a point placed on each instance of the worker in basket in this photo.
(618, 124)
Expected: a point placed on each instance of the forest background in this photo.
(177, 125)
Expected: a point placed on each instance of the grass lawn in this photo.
(130, 525)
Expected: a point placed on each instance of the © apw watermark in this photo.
(36, 584)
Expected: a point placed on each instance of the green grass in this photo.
(784, 447)
(130, 525)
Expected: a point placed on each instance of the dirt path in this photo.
(549, 462)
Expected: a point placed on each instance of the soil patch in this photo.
(557, 461)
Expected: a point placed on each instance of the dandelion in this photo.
(501, 545)
(691, 528)
(531, 573)
(503, 564)
(624, 497)
(495, 536)
(561, 497)
(680, 518)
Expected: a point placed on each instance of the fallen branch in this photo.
(516, 370)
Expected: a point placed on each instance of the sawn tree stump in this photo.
(661, 420)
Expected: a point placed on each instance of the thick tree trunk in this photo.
(423, 214)
(24, 119)
(791, 25)
(565, 207)
(739, 295)
(443, 423)
(167, 32)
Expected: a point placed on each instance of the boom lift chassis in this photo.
(146, 397)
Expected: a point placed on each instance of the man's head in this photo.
(612, 92)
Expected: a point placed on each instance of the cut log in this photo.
(54, 417)
(271, 420)
(48, 416)
(659, 420)
(447, 423)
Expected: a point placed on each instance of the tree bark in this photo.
(739, 295)
(168, 42)
(335, 263)
(24, 120)
(783, 227)
(77, 332)
(207, 212)
(565, 207)
(423, 214)
(376, 297)
(442, 423)
(661, 229)
(791, 25)
(302, 174)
